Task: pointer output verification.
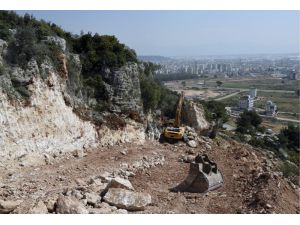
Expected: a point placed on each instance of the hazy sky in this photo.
(188, 33)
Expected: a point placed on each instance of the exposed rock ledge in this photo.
(48, 125)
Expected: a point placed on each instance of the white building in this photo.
(246, 102)
(253, 92)
(270, 108)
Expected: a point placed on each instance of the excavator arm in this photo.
(179, 110)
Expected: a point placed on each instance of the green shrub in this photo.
(97, 88)
(290, 171)
(2, 70)
(101, 51)
(23, 91)
(248, 122)
(168, 102)
(289, 137)
(4, 32)
(150, 93)
(24, 47)
(101, 106)
(215, 110)
(293, 156)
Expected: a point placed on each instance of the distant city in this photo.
(286, 65)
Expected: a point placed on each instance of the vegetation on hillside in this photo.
(155, 95)
(248, 122)
(214, 111)
(26, 39)
(98, 52)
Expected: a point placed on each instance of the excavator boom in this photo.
(179, 111)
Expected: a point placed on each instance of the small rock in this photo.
(69, 205)
(96, 181)
(105, 177)
(268, 206)
(188, 159)
(97, 188)
(119, 182)
(126, 199)
(8, 206)
(84, 201)
(102, 208)
(190, 137)
(100, 211)
(39, 208)
(207, 146)
(50, 204)
(77, 194)
(121, 211)
(192, 144)
(92, 198)
(79, 153)
(190, 151)
(48, 159)
(124, 152)
(80, 182)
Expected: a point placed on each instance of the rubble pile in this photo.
(109, 192)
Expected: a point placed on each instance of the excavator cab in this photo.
(174, 133)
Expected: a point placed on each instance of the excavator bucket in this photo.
(203, 176)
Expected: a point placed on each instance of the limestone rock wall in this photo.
(131, 133)
(46, 125)
(38, 105)
(123, 86)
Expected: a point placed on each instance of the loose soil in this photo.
(250, 183)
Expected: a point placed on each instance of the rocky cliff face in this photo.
(123, 86)
(45, 125)
(37, 107)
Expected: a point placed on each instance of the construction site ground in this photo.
(250, 183)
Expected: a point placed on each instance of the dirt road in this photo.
(250, 185)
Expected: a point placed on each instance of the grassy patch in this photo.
(266, 84)
(286, 102)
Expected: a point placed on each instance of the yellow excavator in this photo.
(176, 132)
(204, 174)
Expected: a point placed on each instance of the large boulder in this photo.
(39, 208)
(8, 206)
(193, 116)
(69, 205)
(125, 199)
